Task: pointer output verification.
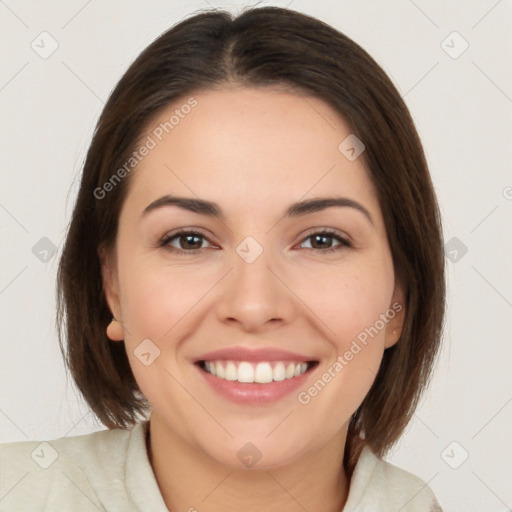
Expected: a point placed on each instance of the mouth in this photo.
(254, 377)
(251, 372)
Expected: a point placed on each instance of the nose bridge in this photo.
(252, 294)
(252, 263)
(252, 275)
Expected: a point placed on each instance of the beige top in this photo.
(109, 471)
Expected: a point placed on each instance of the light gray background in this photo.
(462, 108)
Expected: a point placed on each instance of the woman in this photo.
(255, 265)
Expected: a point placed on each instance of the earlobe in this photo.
(110, 289)
(396, 322)
(115, 330)
(392, 338)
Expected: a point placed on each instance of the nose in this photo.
(255, 296)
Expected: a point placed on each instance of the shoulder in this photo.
(61, 471)
(378, 485)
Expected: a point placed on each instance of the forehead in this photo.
(248, 147)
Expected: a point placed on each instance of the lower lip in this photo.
(254, 393)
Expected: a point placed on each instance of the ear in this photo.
(111, 290)
(395, 325)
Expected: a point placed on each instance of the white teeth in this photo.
(261, 373)
(279, 372)
(219, 370)
(210, 367)
(245, 372)
(230, 372)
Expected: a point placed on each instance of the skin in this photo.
(253, 152)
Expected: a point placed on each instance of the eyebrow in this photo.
(298, 209)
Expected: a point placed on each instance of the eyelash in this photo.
(344, 243)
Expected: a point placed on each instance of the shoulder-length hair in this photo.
(267, 46)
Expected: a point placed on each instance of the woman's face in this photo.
(261, 286)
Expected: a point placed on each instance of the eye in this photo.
(322, 239)
(189, 242)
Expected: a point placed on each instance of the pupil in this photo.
(321, 237)
(323, 240)
(188, 237)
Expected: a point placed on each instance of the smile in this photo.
(262, 372)
(255, 376)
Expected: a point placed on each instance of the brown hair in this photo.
(267, 46)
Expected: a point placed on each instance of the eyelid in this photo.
(330, 231)
(184, 231)
(344, 241)
(199, 231)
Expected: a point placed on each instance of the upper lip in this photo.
(253, 355)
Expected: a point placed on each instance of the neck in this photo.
(191, 480)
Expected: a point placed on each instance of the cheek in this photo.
(352, 306)
(349, 301)
(155, 298)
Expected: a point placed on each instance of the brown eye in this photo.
(322, 241)
(188, 242)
